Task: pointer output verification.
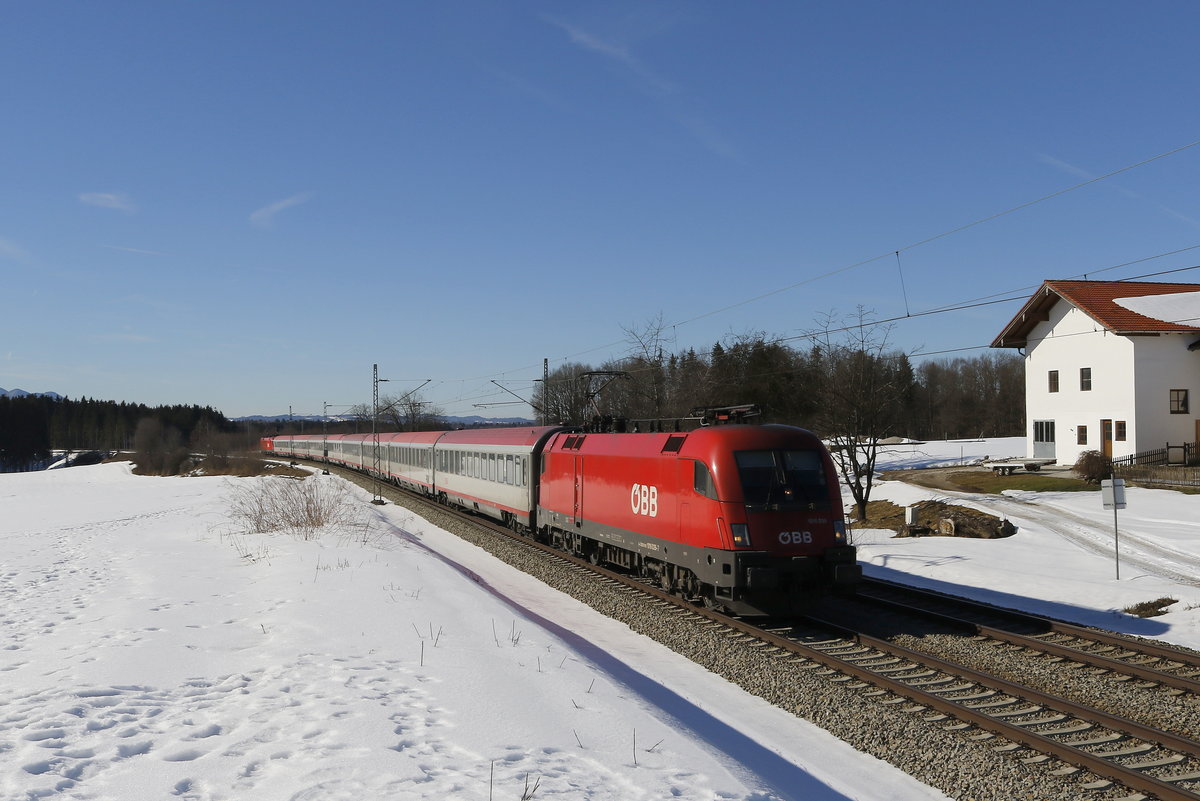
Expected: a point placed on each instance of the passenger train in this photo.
(747, 518)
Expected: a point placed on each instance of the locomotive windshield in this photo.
(783, 479)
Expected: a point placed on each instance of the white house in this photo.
(1110, 366)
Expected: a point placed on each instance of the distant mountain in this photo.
(476, 420)
(20, 393)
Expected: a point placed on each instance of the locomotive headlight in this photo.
(839, 531)
(741, 534)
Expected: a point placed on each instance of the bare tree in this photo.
(562, 397)
(360, 415)
(861, 390)
(646, 365)
(409, 412)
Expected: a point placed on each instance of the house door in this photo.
(1043, 439)
(1106, 438)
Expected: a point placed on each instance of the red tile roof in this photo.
(1097, 300)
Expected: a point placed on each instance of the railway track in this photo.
(1107, 755)
(1145, 660)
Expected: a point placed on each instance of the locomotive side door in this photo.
(577, 508)
(697, 524)
(683, 482)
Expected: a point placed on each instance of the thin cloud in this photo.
(529, 88)
(709, 136)
(109, 200)
(11, 251)
(134, 250)
(1079, 172)
(1070, 169)
(619, 54)
(674, 104)
(122, 338)
(266, 215)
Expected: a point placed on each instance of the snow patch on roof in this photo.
(1180, 307)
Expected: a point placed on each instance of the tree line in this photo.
(844, 382)
(31, 426)
(825, 387)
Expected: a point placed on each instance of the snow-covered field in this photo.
(149, 652)
(1061, 562)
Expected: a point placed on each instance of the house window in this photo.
(1120, 430)
(1085, 379)
(1053, 380)
(1081, 435)
(1179, 401)
(1043, 431)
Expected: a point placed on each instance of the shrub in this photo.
(1150, 608)
(158, 449)
(1093, 467)
(303, 508)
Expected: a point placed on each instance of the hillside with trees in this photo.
(33, 425)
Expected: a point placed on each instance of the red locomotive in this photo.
(742, 517)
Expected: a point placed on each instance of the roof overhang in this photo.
(1036, 310)
(1106, 303)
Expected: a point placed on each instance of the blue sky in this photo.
(246, 205)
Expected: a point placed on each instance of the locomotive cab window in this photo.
(703, 480)
(782, 479)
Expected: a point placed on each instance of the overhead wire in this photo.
(896, 252)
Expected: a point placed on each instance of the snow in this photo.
(1178, 307)
(150, 651)
(1062, 562)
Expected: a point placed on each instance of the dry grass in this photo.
(303, 508)
(1150, 608)
(243, 467)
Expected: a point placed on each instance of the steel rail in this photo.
(1186, 659)
(1043, 646)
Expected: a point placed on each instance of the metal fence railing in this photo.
(1172, 466)
(1183, 454)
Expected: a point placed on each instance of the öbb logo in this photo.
(643, 499)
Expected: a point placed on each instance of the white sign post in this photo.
(1112, 491)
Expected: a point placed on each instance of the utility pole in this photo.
(375, 461)
(324, 438)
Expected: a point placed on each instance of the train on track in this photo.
(747, 518)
